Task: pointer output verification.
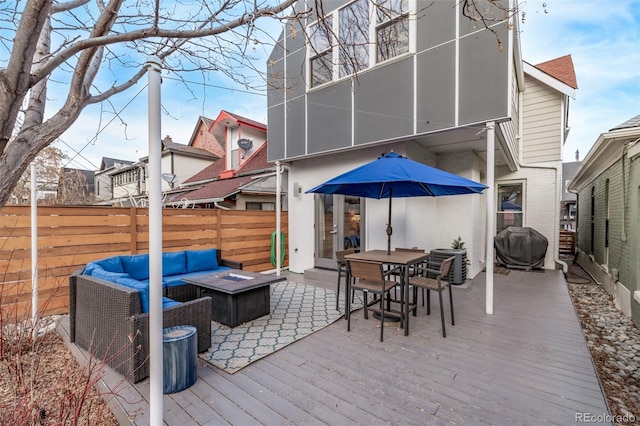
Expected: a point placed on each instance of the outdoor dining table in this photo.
(402, 259)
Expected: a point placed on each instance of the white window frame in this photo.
(313, 54)
(406, 15)
(523, 198)
(373, 47)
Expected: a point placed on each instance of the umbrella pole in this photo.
(389, 228)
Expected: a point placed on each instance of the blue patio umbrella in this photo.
(392, 175)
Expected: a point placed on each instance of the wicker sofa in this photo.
(108, 320)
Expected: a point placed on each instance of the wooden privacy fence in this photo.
(69, 237)
(567, 243)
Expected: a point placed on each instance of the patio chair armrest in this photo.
(397, 270)
(428, 270)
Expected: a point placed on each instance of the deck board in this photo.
(527, 363)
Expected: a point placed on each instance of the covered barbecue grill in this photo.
(520, 248)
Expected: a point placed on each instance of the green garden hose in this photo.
(273, 248)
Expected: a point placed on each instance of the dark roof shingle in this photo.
(630, 123)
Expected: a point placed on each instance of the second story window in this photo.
(357, 36)
(353, 35)
(392, 29)
(321, 56)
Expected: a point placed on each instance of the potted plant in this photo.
(458, 244)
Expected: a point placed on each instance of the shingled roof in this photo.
(630, 123)
(257, 162)
(561, 69)
(223, 188)
(108, 162)
(186, 149)
(246, 120)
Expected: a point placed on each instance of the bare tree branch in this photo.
(96, 49)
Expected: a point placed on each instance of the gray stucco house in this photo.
(608, 188)
(428, 83)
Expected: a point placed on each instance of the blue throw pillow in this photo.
(174, 263)
(143, 290)
(202, 260)
(111, 264)
(137, 266)
(98, 272)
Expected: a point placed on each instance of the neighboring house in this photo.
(178, 162)
(203, 138)
(568, 203)
(435, 88)
(223, 166)
(128, 186)
(102, 181)
(608, 188)
(242, 179)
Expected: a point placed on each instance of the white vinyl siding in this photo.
(541, 127)
(511, 128)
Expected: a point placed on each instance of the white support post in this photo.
(278, 212)
(34, 245)
(154, 182)
(491, 213)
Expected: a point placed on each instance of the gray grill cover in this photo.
(523, 248)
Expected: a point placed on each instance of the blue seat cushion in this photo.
(167, 303)
(174, 263)
(137, 266)
(201, 260)
(98, 272)
(143, 290)
(111, 264)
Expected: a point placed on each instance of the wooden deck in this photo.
(525, 364)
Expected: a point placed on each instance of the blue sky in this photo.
(603, 39)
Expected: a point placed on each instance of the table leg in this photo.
(347, 300)
(405, 278)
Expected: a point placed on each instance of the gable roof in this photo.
(257, 162)
(561, 69)
(245, 120)
(558, 74)
(226, 115)
(632, 122)
(108, 162)
(186, 149)
(606, 150)
(206, 122)
(218, 188)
